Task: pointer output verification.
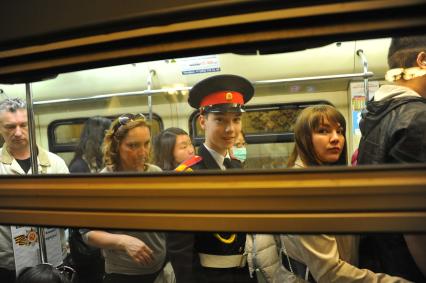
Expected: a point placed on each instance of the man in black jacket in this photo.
(394, 131)
(214, 257)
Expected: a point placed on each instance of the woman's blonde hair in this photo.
(116, 133)
(309, 121)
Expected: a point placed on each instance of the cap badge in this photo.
(228, 96)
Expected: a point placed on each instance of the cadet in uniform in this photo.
(216, 257)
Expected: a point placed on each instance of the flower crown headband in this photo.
(407, 74)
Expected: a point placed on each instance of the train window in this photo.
(338, 202)
(66, 134)
(283, 87)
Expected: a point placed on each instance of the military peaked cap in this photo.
(221, 93)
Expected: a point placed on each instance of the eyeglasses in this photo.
(126, 118)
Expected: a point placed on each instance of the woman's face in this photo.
(328, 142)
(239, 150)
(183, 149)
(134, 149)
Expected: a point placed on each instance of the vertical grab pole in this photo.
(364, 63)
(149, 88)
(34, 163)
(31, 129)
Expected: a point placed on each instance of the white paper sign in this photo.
(26, 247)
(53, 246)
(199, 64)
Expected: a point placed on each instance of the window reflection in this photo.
(267, 257)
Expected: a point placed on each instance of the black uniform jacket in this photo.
(208, 161)
(183, 248)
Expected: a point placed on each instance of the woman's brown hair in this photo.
(116, 133)
(308, 121)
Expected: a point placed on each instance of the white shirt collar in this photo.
(219, 158)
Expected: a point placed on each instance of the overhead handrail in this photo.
(149, 91)
(109, 95)
(317, 78)
(365, 75)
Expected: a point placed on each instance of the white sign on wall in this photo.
(199, 64)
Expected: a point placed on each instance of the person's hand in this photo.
(137, 249)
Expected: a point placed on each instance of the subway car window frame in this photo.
(340, 200)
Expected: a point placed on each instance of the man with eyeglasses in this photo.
(214, 257)
(15, 160)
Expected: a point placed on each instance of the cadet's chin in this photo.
(228, 144)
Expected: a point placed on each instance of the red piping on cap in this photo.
(222, 97)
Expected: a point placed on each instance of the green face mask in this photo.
(240, 153)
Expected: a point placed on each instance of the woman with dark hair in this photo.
(88, 154)
(130, 256)
(172, 146)
(46, 273)
(320, 139)
(87, 260)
